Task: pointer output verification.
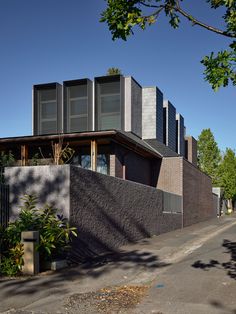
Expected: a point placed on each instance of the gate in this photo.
(4, 205)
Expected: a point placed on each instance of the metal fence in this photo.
(172, 203)
(4, 205)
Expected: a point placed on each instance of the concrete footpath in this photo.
(138, 264)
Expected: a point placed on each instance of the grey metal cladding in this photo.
(136, 108)
(159, 115)
(89, 90)
(90, 104)
(122, 101)
(172, 203)
(152, 113)
(103, 83)
(59, 108)
(171, 126)
(180, 135)
(149, 112)
(35, 112)
(38, 128)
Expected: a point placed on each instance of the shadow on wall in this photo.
(108, 212)
(49, 184)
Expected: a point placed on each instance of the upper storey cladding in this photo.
(180, 141)
(152, 113)
(108, 102)
(169, 117)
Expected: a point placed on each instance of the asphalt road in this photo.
(203, 282)
(185, 271)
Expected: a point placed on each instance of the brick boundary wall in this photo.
(108, 212)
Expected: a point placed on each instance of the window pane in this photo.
(86, 161)
(111, 122)
(78, 124)
(78, 106)
(47, 94)
(77, 91)
(110, 103)
(103, 163)
(48, 110)
(48, 127)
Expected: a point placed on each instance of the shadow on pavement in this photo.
(103, 265)
(229, 266)
(219, 305)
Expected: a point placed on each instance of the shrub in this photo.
(54, 230)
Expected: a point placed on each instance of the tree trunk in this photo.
(230, 204)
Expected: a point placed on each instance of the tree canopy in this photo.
(123, 15)
(208, 155)
(227, 174)
(113, 71)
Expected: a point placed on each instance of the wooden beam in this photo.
(24, 155)
(94, 151)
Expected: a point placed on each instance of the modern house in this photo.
(118, 128)
(114, 125)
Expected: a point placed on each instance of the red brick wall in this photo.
(170, 177)
(191, 149)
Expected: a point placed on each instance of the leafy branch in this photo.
(122, 16)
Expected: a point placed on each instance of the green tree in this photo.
(227, 175)
(208, 154)
(113, 71)
(123, 15)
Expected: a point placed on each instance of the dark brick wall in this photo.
(110, 212)
(197, 195)
(135, 167)
(180, 177)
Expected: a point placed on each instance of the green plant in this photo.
(6, 160)
(55, 234)
(35, 159)
(8, 266)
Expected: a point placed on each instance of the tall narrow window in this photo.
(108, 103)
(47, 101)
(77, 101)
(78, 105)
(47, 109)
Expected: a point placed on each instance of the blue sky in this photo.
(47, 41)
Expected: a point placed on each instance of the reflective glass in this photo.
(103, 163)
(86, 161)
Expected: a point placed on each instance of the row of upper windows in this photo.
(75, 112)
